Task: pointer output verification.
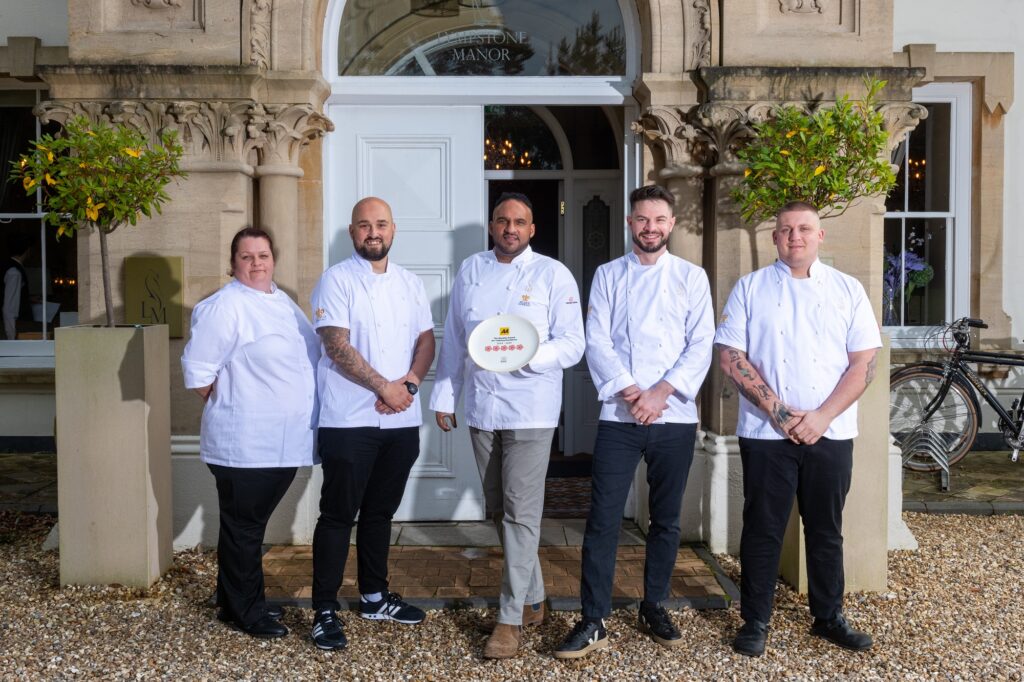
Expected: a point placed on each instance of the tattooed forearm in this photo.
(748, 392)
(751, 385)
(348, 360)
(870, 374)
(781, 413)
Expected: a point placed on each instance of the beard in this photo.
(650, 248)
(374, 252)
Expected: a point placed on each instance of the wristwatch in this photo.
(412, 388)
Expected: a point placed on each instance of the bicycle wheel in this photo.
(951, 428)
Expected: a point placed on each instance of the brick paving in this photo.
(450, 576)
(981, 478)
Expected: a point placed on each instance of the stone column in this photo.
(289, 127)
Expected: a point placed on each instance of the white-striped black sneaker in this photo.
(391, 607)
(327, 633)
(588, 635)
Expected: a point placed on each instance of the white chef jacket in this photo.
(537, 288)
(385, 314)
(797, 333)
(262, 351)
(646, 323)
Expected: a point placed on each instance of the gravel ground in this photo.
(954, 611)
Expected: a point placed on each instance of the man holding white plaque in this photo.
(513, 414)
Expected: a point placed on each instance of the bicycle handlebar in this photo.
(974, 322)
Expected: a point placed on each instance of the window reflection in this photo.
(481, 37)
(923, 163)
(515, 138)
(50, 265)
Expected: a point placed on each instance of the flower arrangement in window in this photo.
(100, 176)
(902, 275)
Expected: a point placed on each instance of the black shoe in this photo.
(327, 634)
(751, 638)
(391, 607)
(265, 628)
(273, 611)
(655, 621)
(839, 632)
(588, 635)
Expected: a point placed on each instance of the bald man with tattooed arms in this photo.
(374, 322)
(799, 340)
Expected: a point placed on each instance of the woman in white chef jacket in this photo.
(252, 358)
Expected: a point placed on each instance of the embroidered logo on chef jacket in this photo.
(320, 313)
(525, 300)
(571, 300)
(724, 318)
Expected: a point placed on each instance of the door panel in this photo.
(595, 238)
(426, 163)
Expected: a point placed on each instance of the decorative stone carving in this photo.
(723, 128)
(289, 127)
(702, 40)
(157, 4)
(900, 119)
(667, 129)
(260, 15)
(801, 6)
(219, 131)
(209, 131)
(214, 131)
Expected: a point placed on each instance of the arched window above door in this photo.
(482, 38)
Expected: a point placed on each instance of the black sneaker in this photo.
(588, 635)
(391, 607)
(655, 621)
(840, 633)
(327, 634)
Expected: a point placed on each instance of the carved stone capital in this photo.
(210, 132)
(668, 130)
(289, 127)
(725, 127)
(900, 119)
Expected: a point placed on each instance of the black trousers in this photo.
(365, 470)
(668, 451)
(774, 471)
(247, 498)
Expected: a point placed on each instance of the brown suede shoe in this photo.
(533, 614)
(503, 642)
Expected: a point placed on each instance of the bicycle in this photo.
(934, 412)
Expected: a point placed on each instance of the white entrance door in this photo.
(427, 163)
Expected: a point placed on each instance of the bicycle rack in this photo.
(926, 440)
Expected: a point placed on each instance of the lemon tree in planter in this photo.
(828, 157)
(99, 176)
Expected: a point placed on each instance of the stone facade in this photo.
(243, 85)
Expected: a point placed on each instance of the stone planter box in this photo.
(113, 454)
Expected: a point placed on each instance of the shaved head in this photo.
(367, 202)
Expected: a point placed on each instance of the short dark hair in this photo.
(513, 196)
(650, 193)
(792, 206)
(247, 231)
